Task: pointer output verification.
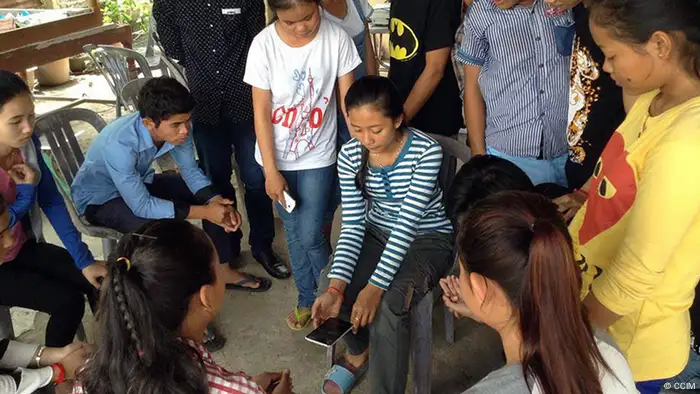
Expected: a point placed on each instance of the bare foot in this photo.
(233, 276)
(353, 364)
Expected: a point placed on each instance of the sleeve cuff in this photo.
(182, 210)
(205, 194)
(611, 297)
(335, 275)
(468, 60)
(382, 285)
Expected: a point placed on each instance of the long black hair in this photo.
(142, 306)
(11, 86)
(383, 95)
(520, 241)
(480, 177)
(635, 21)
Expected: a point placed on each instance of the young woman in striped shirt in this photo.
(395, 241)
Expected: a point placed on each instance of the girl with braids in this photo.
(518, 276)
(157, 299)
(392, 249)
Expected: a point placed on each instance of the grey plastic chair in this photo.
(57, 129)
(113, 63)
(130, 93)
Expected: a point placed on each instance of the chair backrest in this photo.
(113, 63)
(130, 93)
(452, 151)
(174, 69)
(56, 127)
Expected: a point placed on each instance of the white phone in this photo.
(290, 204)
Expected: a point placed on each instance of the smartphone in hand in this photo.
(330, 332)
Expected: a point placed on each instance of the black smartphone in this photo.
(328, 333)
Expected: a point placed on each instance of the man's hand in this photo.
(233, 220)
(285, 384)
(219, 211)
(326, 306)
(563, 4)
(95, 272)
(23, 174)
(366, 306)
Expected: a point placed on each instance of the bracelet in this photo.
(340, 293)
(37, 357)
(61, 373)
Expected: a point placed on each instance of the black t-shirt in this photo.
(417, 27)
(597, 102)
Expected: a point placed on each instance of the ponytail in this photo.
(145, 299)
(552, 318)
(519, 241)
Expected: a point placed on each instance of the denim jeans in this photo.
(215, 144)
(689, 378)
(117, 215)
(539, 171)
(308, 251)
(428, 259)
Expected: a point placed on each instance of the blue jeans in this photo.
(689, 378)
(308, 252)
(650, 386)
(539, 171)
(215, 144)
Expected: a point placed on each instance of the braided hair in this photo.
(144, 301)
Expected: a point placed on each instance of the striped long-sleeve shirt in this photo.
(406, 201)
(524, 79)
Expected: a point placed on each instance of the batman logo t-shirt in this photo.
(417, 27)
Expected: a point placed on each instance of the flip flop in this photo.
(344, 378)
(264, 284)
(300, 316)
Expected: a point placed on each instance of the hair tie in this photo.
(126, 261)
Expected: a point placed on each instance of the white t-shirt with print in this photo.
(352, 23)
(302, 81)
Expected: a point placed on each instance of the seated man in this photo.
(116, 186)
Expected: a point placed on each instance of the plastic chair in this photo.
(113, 63)
(130, 93)
(422, 314)
(56, 128)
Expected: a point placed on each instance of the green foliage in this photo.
(133, 12)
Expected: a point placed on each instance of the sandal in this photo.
(264, 284)
(343, 377)
(303, 317)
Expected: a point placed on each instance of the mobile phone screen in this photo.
(329, 332)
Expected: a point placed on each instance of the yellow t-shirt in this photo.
(638, 235)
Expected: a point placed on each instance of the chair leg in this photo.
(449, 325)
(6, 329)
(421, 346)
(108, 246)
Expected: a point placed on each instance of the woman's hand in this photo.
(326, 306)
(53, 355)
(365, 308)
(570, 203)
(275, 185)
(23, 174)
(74, 361)
(452, 297)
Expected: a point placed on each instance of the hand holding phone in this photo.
(289, 203)
(330, 332)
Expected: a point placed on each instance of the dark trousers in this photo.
(389, 337)
(44, 278)
(168, 186)
(215, 144)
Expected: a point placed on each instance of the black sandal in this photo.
(264, 284)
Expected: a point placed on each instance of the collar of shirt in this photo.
(147, 140)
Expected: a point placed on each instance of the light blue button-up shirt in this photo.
(119, 164)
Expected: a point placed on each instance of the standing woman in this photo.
(638, 234)
(395, 241)
(35, 274)
(293, 66)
